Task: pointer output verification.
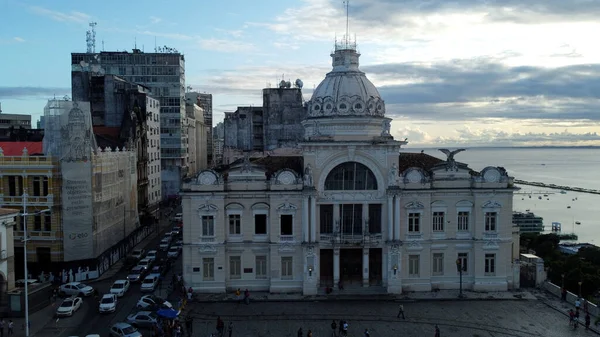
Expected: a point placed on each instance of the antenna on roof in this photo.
(90, 38)
(347, 20)
(135, 42)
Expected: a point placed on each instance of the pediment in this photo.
(491, 204)
(260, 205)
(414, 205)
(234, 206)
(287, 207)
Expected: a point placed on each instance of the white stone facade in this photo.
(153, 134)
(349, 209)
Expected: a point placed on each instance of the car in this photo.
(120, 287)
(137, 274)
(75, 289)
(138, 254)
(143, 319)
(149, 283)
(173, 252)
(146, 263)
(179, 243)
(157, 271)
(108, 303)
(175, 230)
(152, 302)
(164, 244)
(168, 235)
(123, 330)
(151, 255)
(178, 217)
(69, 306)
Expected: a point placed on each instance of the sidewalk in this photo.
(555, 303)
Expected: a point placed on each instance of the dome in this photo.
(345, 91)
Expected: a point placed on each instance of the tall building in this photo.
(15, 120)
(164, 74)
(349, 209)
(197, 133)
(204, 101)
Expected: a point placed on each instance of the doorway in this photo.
(326, 268)
(375, 267)
(351, 266)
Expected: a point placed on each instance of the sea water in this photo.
(576, 167)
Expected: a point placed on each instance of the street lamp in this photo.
(460, 268)
(580, 282)
(24, 215)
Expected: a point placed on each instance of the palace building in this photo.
(348, 206)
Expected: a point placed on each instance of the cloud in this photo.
(18, 39)
(237, 33)
(72, 16)
(154, 19)
(28, 92)
(226, 46)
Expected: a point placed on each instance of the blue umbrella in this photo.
(167, 313)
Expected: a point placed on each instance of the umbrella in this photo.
(167, 313)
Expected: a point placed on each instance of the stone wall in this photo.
(571, 297)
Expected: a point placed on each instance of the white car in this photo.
(164, 244)
(152, 302)
(178, 217)
(151, 255)
(176, 230)
(75, 289)
(123, 330)
(173, 252)
(138, 254)
(146, 263)
(69, 306)
(149, 283)
(108, 303)
(120, 287)
(143, 319)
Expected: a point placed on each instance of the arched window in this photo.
(351, 176)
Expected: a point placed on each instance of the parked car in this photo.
(149, 283)
(143, 319)
(138, 254)
(124, 330)
(177, 217)
(152, 302)
(146, 263)
(120, 287)
(69, 306)
(108, 303)
(176, 230)
(157, 271)
(75, 289)
(173, 252)
(151, 255)
(137, 274)
(164, 244)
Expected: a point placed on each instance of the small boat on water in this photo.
(545, 195)
(563, 192)
(577, 222)
(530, 197)
(540, 197)
(568, 206)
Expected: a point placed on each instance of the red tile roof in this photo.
(12, 149)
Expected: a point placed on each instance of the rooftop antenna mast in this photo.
(347, 2)
(91, 38)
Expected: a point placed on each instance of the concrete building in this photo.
(276, 124)
(164, 73)
(350, 209)
(14, 120)
(197, 133)
(7, 253)
(204, 101)
(121, 116)
(218, 135)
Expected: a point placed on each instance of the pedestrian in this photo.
(189, 324)
(300, 333)
(577, 304)
(341, 327)
(563, 295)
(220, 326)
(238, 295)
(230, 328)
(367, 333)
(401, 311)
(309, 334)
(333, 328)
(247, 296)
(2, 327)
(588, 320)
(437, 331)
(585, 306)
(11, 325)
(345, 329)
(571, 316)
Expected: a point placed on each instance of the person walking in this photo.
(309, 334)
(220, 326)
(11, 325)
(588, 320)
(367, 334)
(333, 328)
(300, 333)
(230, 328)
(437, 331)
(189, 325)
(2, 327)
(247, 296)
(401, 311)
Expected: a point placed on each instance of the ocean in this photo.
(578, 167)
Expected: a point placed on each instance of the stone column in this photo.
(397, 218)
(365, 269)
(336, 266)
(305, 219)
(390, 218)
(313, 219)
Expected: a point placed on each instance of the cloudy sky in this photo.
(462, 72)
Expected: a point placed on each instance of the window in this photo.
(260, 224)
(438, 221)
(326, 219)
(15, 186)
(208, 269)
(490, 221)
(45, 186)
(413, 266)
(47, 222)
(208, 225)
(235, 267)
(375, 218)
(287, 221)
(351, 176)
(464, 261)
(36, 186)
(413, 222)
(37, 222)
(438, 264)
(261, 267)
(463, 221)
(287, 268)
(490, 264)
(351, 219)
(235, 224)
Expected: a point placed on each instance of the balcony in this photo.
(26, 161)
(47, 200)
(287, 238)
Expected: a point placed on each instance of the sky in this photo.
(452, 73)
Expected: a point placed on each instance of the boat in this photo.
(563, 192)
(530, 197)
(545, 195)
(528, 222)
(540, 197)
(527, 210)
(568, 206)
(577, 222)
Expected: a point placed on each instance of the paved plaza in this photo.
(454, 318)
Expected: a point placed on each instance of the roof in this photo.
(271, 164)
(407, 160)
(113, 132)
(13, 149)
(8, 211)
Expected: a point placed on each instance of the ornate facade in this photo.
(353, 209)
